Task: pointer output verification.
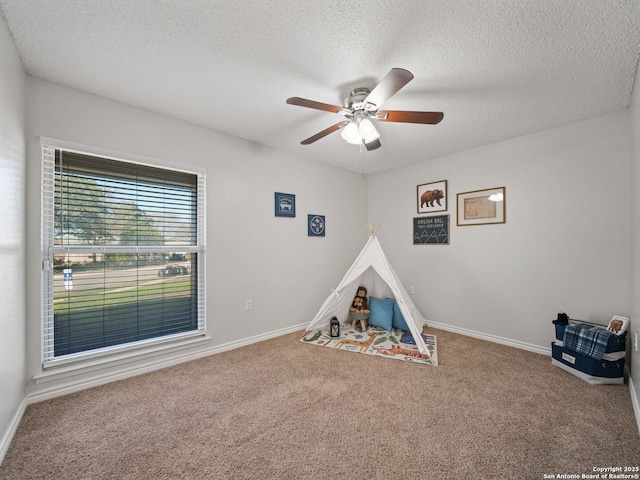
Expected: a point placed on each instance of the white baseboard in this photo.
(11, 431)
(492, 338)
(635, 401)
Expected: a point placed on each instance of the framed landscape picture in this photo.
(482, 207)
(432, 197)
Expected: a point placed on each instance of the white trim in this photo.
(48, 248)
(85, 362)
(46, 240)
(492, 338)
(255, 339)
(635, 401)
(122, 156)
(5, 442)
(149, 365)
(75, 249)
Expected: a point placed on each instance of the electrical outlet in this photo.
(635, 342)
(248, 305)
(411, 290)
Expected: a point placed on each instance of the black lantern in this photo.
(334, 327)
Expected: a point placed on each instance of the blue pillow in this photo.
(398, 319)
(381, 312)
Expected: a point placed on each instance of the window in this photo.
(123, 248)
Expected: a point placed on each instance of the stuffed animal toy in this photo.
(360, 303)
(563, 319)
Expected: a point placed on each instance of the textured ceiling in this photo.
(496, 68)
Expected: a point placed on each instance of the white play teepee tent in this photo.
(373, 271)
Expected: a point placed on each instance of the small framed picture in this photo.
(433, 230)
(316, 226)
(482, 207)
(432, 197)
(285, 204)
(618, 324)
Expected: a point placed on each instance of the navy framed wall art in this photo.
(316, 226)
(433, 230)
(285, 204)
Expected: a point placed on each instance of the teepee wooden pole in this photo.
(373, 228)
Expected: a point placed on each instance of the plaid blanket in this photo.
(586, 339)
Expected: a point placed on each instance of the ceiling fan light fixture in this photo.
(367, 131)
(350, 133)
(361, 107)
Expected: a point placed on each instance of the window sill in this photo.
(65, 369)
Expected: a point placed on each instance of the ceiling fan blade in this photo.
(373, 145)
(303, 102)
(430, 118)
(388, 86)
(324, 133)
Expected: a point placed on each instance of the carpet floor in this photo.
(280, 409)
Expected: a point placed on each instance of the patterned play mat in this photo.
(395, 344)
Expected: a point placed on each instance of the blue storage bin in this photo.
(591, 367)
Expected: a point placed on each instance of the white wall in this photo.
(564, 246)
(12, 235)
(252, 254)
(634, 278)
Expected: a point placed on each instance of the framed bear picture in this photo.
(432, 197)
(618, 324)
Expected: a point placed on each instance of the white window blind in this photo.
(123, 254)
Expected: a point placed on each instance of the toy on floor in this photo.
(359, 310)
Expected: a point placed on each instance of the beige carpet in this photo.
(283, 410)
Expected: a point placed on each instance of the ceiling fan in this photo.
(362, 106)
